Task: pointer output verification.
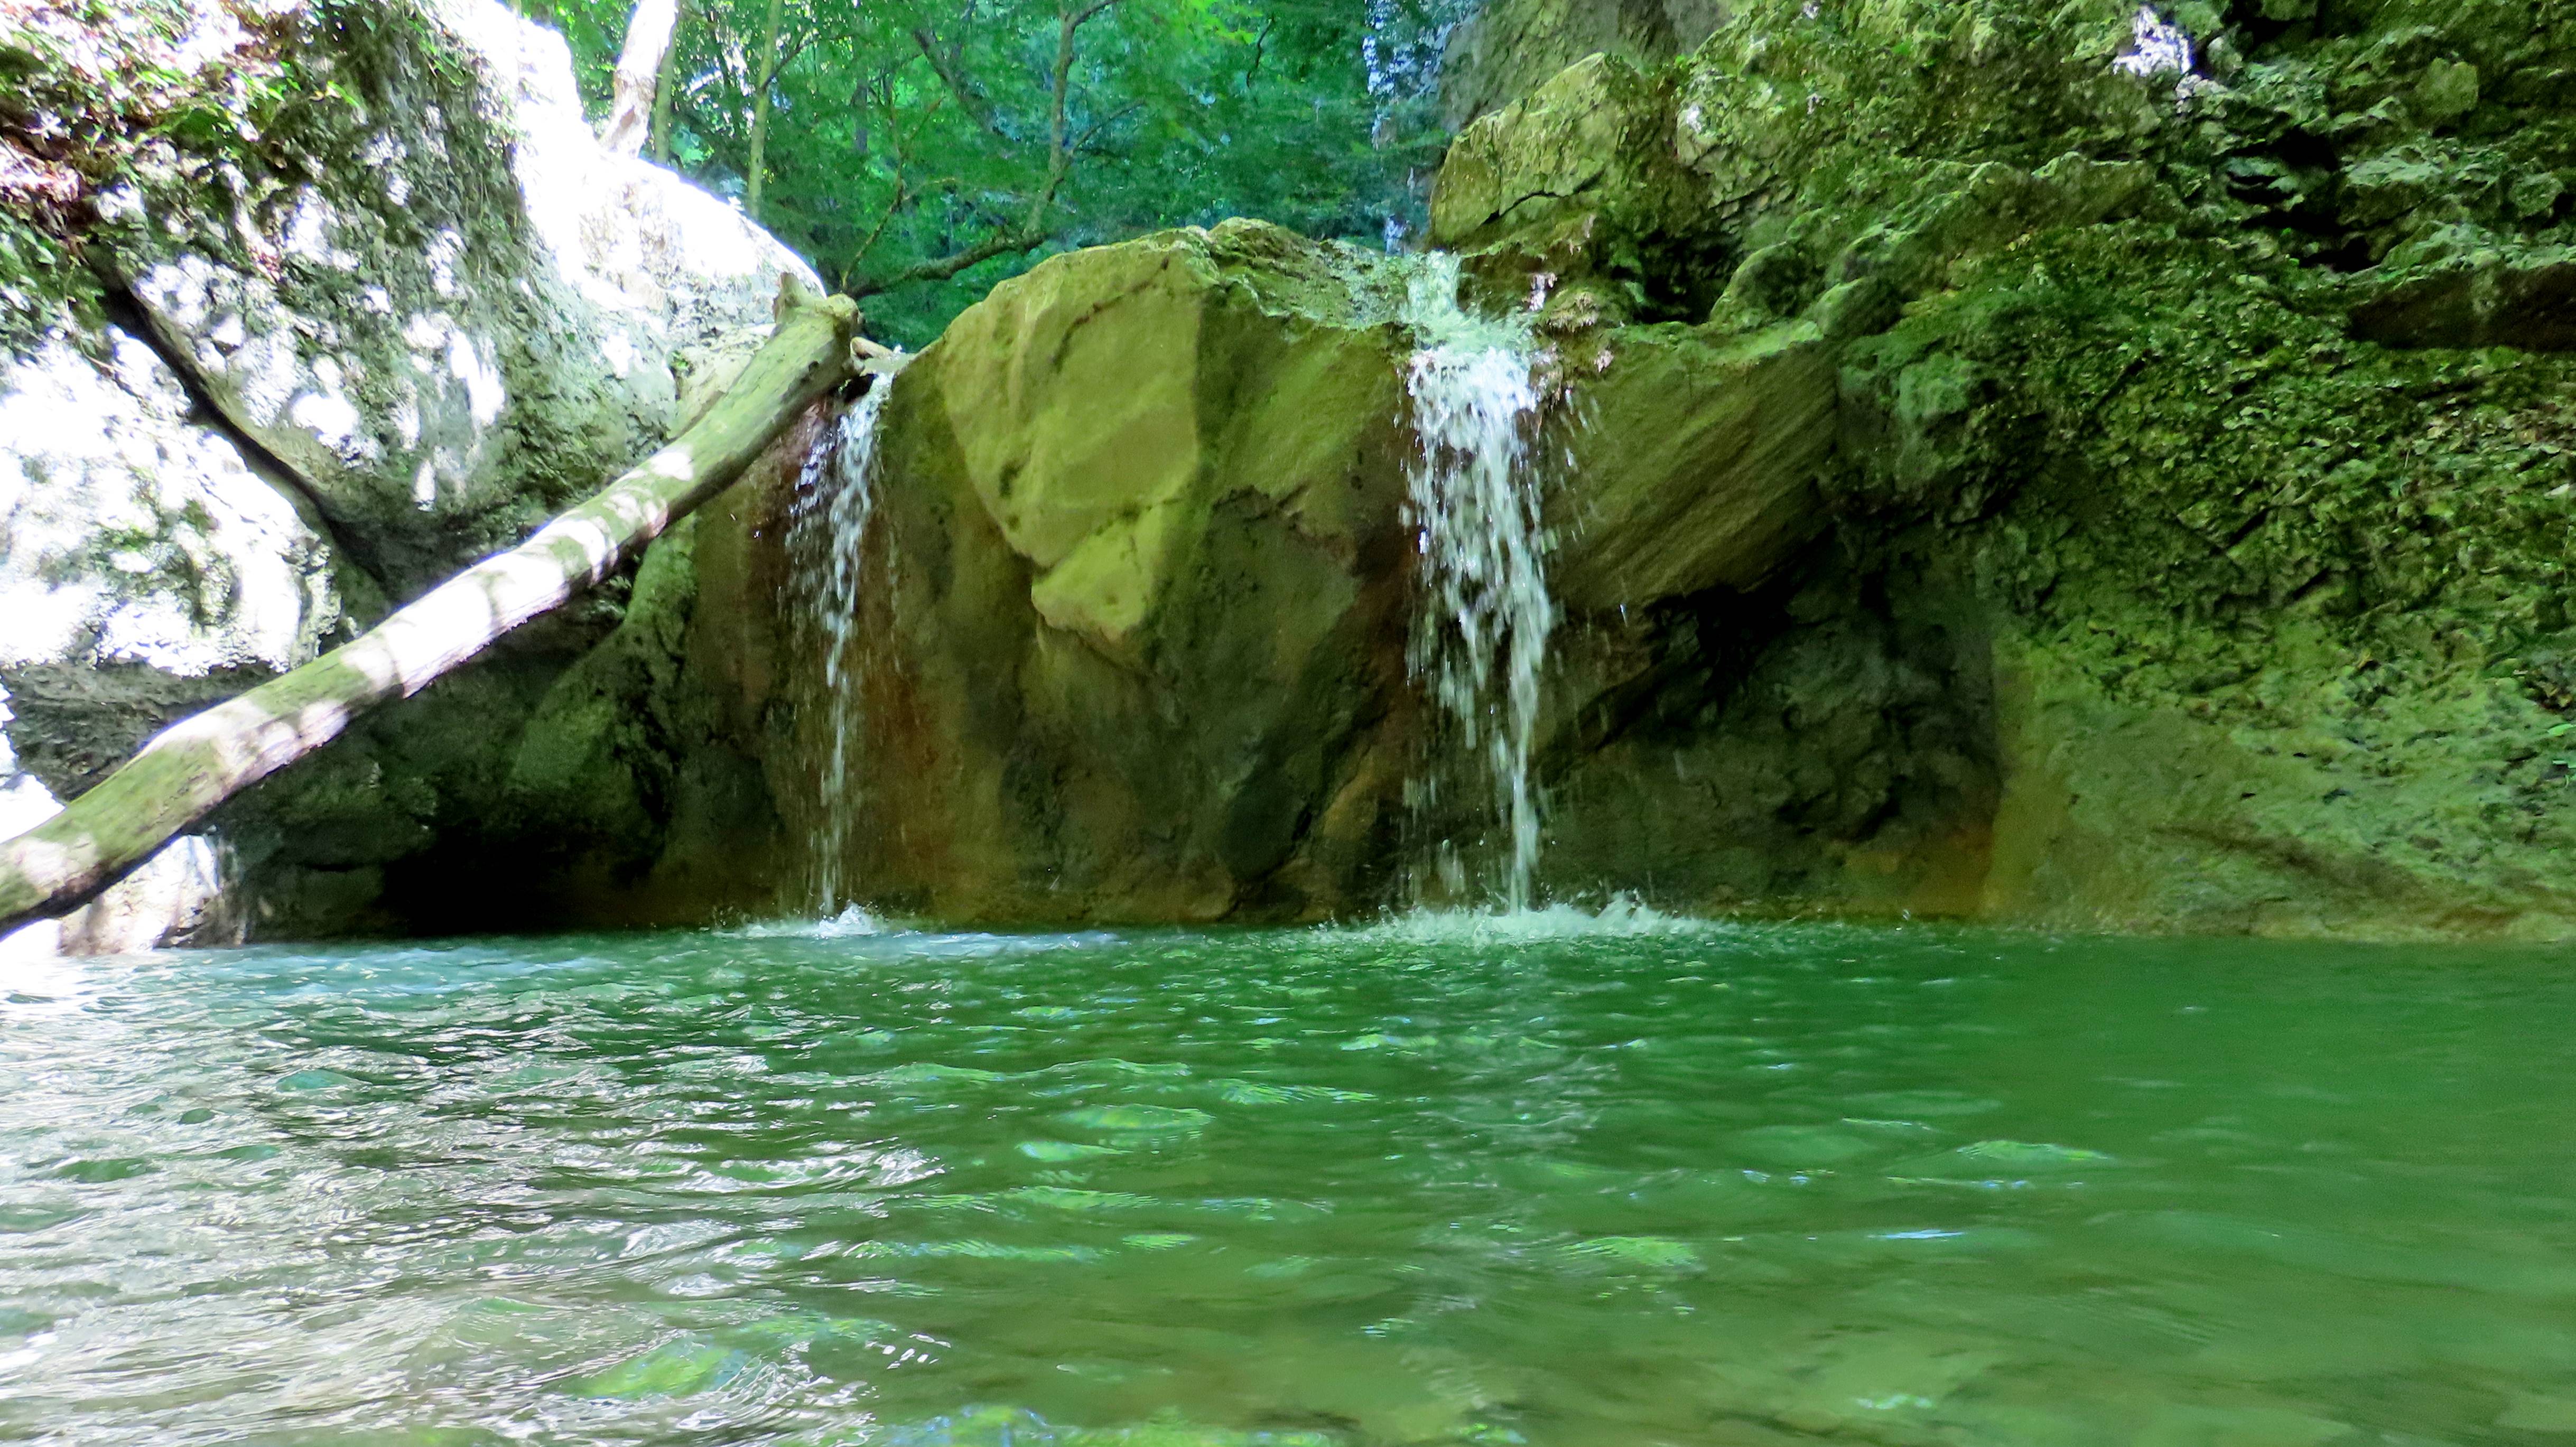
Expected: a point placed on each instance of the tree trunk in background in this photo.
(660, 148)
(634, 94)
(760, 115)
(199, 762)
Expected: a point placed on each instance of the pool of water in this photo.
(1561, 1181)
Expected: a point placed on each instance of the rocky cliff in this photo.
(306, 307)
(2076, 466)
(2191, 553)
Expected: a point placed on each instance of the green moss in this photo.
(2274, 612)
(112, 117)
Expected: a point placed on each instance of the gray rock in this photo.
(458, 316)
(146, 568)
(1510, 46)
(440, 313)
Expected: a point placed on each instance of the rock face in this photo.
(2175, 565)
(146, 568)
(1137, 610)
(335, 359)
(454, 316)
(2065, 465)
(2070, 466)
(1508, 47)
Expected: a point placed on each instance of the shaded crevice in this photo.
(126, 313)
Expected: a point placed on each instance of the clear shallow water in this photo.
(1408, 1185)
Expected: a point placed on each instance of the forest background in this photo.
(918, 151)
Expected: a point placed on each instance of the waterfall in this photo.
(827, 529)
(1474, 505)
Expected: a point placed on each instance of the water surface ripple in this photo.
(1425, 1183)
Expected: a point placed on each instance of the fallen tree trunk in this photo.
(199, 762)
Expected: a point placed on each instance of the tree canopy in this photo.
(917, 151)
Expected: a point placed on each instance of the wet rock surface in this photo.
(2129, 490)
(2125, 491)
(2201, 448)
(1136, 613)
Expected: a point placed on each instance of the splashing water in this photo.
(835, 496)
(1620, 916)
(1475, 509)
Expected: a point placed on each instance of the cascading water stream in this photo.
(827, 532)
(1482, 641)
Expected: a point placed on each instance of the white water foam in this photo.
(1622, 916)
(850, 923)
(1482, 642)
(827, 535)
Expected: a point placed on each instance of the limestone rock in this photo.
(134, 535)
(1585, 151)
(2526, 301)
(412, 319)
(147, 567)
(1510, 47)
(454, 315)
(2175, 564)
(1137, 609)
(1694, 464)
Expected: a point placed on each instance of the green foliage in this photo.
(908, 133)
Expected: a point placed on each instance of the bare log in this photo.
(199, 762)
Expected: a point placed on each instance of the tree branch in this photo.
(945, 67)
(1069, 22)
(953, 263)
(1061, 145)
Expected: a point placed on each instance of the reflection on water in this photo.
(1624, 1181)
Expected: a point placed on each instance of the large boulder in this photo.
(1141, 580)
(1138, 592)
(2176, 563)
(332, 341)
(448, 309)
(147, 567)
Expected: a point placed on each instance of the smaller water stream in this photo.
(827, 534)
(1482, 640)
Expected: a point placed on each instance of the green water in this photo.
(1548, 1185)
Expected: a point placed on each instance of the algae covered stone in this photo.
(1133, 574)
